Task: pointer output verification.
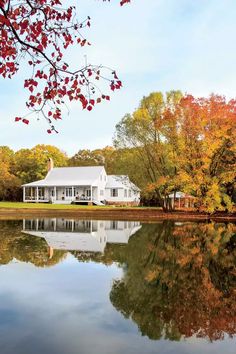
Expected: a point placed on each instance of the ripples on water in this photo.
(88, 286)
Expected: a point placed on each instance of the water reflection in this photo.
(82, 235)
(177, 280)
(188, 274)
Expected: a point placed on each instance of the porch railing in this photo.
(29, 197)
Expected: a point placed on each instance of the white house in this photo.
(81, 235)
(87, 185)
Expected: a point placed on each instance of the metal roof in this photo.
(70, 176)
(81, 176)
(120, 182)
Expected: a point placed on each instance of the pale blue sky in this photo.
(155, 45)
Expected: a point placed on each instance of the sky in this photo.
(154, 45)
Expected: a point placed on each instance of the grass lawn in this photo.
(21, 205)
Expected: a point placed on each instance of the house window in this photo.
(69, 225)
(68, 192)
(41, 193)
(88, 193)
(87, 224)
(129, 193)
(41, 224)
(114, 192)
(114, 225)
(125, 193)
(52, 192)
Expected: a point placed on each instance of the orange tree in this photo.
(184, 143)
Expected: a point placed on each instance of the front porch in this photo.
(60, 195)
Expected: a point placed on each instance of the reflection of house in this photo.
(82, 235)
(87, 185)
(182, 200)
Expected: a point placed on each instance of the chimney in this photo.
(50, 164)
(50, 252)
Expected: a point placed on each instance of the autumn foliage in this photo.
(184, 143)
(179, 281)
(40, 32)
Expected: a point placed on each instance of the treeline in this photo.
(169, 143)
(27, 165)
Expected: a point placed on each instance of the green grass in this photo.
(20, 205)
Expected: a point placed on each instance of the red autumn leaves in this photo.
(123, 2)
(40, 31)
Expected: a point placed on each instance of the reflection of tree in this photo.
(179, 278)
(25, 248)
(180, 281)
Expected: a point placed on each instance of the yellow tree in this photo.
(207, 145)
(31, 164)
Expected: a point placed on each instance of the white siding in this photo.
(101, 184)
(129, 196)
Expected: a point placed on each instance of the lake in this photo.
(111, 287)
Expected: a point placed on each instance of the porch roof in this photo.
(44, 183)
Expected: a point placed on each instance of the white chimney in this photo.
(50, 164)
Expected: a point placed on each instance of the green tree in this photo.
(153, 134)
(9, 183)
(184, 143)
(25, 248)
(87, 158)
(31, 164)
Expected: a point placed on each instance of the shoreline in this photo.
(147, 214)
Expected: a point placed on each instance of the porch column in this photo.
(55, 193)
(23, 194)
(37, 194)
(73, 193)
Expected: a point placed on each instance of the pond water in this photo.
(111, 287)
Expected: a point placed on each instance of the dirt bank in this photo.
(146, 214)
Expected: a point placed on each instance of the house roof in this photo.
(69, 241)
(90, 241)
(120, 182)
(70, 176)
(81, 176)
